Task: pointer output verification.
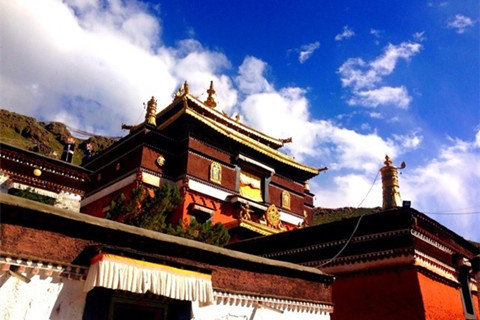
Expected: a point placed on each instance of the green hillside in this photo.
(26, 133)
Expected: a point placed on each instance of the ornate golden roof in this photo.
(229, 127)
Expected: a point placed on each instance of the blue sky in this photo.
(350, 81)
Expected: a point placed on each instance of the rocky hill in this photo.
(46, 137)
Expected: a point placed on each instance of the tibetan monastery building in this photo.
(226, 171)
(61, 259)
(394, 264)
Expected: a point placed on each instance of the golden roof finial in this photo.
(210, 102)
(151, 112)
(185, 87)
(391, 192)
(387, 161)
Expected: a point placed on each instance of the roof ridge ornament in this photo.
(210, 102)
(182, 91)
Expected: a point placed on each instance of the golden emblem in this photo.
(160, 160)
(216, 172)
(285, 199)
(273, 217)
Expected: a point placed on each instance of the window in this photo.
(250, 186)
(253, 178)
(464, 266)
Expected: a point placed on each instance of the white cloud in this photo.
(363, 78)
(307, 50)
(396, 96)
(347, 33)
(449, 183)
(250, 79)
(410, 141)
(376, 34)
(375, 115)
(80, 57)
(460, 23)
(285, 113)
(76, 62)
(385, 64)
(419, 36)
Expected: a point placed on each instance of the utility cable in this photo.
(356, 226)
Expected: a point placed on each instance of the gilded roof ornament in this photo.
(183, 90)
(151, 111)
(390, 186)
(210, 102)
(387, 161)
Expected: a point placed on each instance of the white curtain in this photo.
(116, 272)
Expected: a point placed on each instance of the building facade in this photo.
(394, 264)
(226, 171)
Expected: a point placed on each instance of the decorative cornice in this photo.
(66, 172)
(45, 268)
(324, 245)
(431, 241)
(437, 267)
(42, 162)
(41, 183)
(225, 298)
(371, 256)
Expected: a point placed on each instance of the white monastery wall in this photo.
(43, 298)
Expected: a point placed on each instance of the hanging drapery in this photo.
(250, 186)
(116, 272)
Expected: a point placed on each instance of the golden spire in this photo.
(210, 102)
(151, 112)
(391, 192)
(185, 87)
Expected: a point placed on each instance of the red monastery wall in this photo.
(223, 212)
(228, 274)
(96, 208)
(296, 201)
(200, 167)
(392, 294)
(287, 183)
(396, 293)
(441, 301)
(36, 243)
(205, 149)
(149, 158)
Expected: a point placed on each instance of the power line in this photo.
(356, 226)
(452, 213)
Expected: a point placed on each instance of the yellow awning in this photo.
(116, 272)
